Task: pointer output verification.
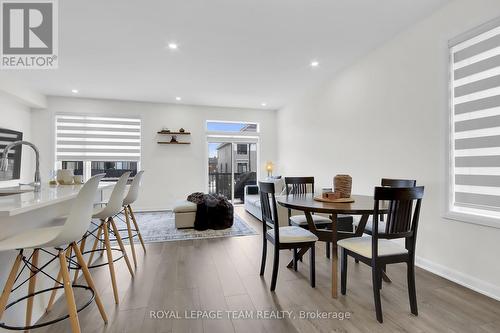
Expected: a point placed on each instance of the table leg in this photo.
(300, 254)
(334, 257)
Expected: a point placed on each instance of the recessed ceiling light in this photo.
(74, 91)
(263, 104)
(173, 46)
(178, 98)
(314, 63)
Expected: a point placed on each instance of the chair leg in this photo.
(381, 277)
(328, 250)
(264, 255)
(90, 281)
(343, 271)
(122, 247)
(94, 247)
(54, 292)
(411, 288)
(295, 260)
(10, 283)
(68, 291)
(136, 227)
(82, 248)
(376, 293)
(312, 271)
(356, 261)
(31, 287)
(110, 260)
(276, 264)
(130, 237)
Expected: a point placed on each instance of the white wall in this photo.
(386, 116)
(172, 171)
(17, 116)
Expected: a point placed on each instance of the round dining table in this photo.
(362, 205)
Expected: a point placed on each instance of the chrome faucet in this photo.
(4, 163)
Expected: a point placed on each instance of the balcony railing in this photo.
(220, 183)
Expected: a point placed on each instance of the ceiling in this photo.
(230, 53)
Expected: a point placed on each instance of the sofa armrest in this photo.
(251, 189)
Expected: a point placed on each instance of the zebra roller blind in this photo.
(92, 138)
(475, 101)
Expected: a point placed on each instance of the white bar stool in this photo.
(75, 225)
(105, 215)
(131, 197)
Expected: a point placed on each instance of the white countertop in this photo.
(15, 204)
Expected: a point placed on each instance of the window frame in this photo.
(449, 212)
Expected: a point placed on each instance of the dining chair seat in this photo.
(369, 225)
(293, 234)
(363, 246)
(300, 220)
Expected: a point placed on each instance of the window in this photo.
(242, 167)
(232, 127)
(242, 149)
(475, 125)
(90, 145)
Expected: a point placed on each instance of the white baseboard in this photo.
(465, 280)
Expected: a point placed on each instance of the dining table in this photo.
(362, 205)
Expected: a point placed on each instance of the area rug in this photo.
(160, 227)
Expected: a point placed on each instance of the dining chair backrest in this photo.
(388, 182)
(133, 191)
(114, 205)
(403, 213)
(299, 185)
(268, 207)
(80, 216)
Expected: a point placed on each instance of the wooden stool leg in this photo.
(94, 247)
(82, 248)
(68, 291)
(110, 261)
(31, 287)
(54, 292)
(130, 237)
(136, 227)
(90, 281)
(10, 283)
(122, 247)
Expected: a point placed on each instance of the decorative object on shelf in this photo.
(65, 177)
(269, 168)
(173, 137)
(342, 184)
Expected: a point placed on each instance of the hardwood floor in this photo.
(223, 274)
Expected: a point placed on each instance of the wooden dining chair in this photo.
(379, 249)
(385, 182)
(283, 238)
(305, 185)
(301, 186)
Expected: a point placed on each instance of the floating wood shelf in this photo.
(174, 133)
(173, 143)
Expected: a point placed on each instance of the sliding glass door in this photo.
(231, 166)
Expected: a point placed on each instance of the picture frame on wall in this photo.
(14, 158)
